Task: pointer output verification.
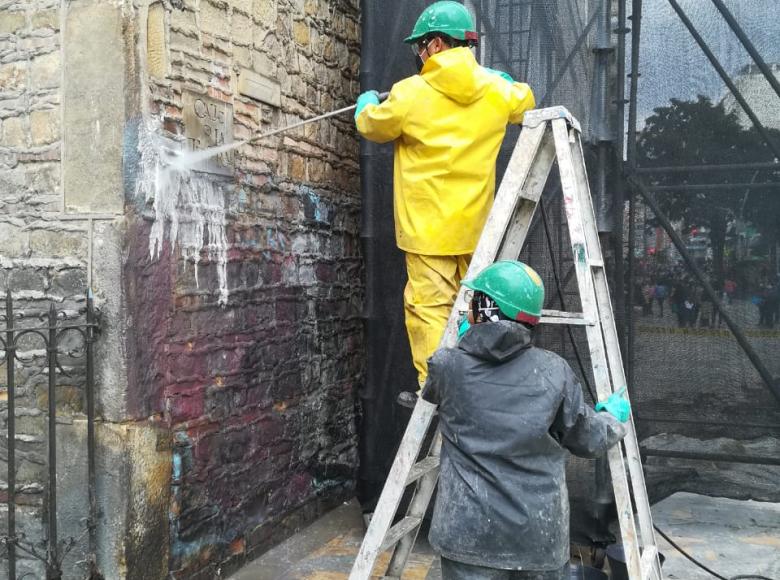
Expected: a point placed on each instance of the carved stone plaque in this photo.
(208, 123)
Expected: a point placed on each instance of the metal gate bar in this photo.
(51, 334)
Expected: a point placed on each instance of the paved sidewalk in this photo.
(326, 549)
(731, 537)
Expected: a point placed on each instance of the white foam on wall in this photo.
(189, 207)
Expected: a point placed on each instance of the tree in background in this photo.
(762, 206)
(702, 133)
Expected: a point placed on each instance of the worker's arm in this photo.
(384, 122)
(579, 428)
(439, 365)
(519, 96)
(521, 99)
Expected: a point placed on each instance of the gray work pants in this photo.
(452, 570)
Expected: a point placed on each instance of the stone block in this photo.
(12, 22)
(45, 126)
(242, 29)
(58, 244)
(93, 113)
(296, 168)
(13, 76)
(184, 21)
(214, 19)
(300, 32)
(14, 133)
(242, 56)
(156, 51)
(264, 12)
(27, 278)
(243, 6)
(16, 241)
(69, 282)
(46, 19)
(185, 43)
(45, 71)
(264, 65)
(41, 178)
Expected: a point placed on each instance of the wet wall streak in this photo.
(259, 392)
(149, 295)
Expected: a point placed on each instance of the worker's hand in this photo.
(616, 405)
(463, 325)
(502, 74)
(367, 98)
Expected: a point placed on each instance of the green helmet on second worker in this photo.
(448, 18)
(516, 288)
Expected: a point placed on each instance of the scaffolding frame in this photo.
(632, 174)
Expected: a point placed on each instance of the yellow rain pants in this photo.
(428, 299)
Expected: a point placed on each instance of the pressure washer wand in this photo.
(382, 97)
(176, 159)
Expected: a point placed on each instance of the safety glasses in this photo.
(420, 46)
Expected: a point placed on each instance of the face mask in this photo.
(418, 63)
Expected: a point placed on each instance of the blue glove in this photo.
(463, 326)
(502, 74)
(616, 406)
(367, 98)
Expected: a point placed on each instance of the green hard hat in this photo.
(447, 17)
(516, 288)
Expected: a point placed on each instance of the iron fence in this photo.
(50, 333)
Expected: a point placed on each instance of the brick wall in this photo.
(257, 380)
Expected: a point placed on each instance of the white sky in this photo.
(673, 65)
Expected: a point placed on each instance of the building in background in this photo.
(759, 94)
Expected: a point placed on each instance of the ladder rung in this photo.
(562, 317)
(398, 531)
(647, 563)
(421, 468)
(596, 263)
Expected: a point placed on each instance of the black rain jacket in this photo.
(508, 413)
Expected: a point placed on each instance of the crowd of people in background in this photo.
(692, 306)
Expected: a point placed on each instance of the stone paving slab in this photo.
(732, 537)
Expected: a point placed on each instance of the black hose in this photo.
(687, 555)
(703, 567)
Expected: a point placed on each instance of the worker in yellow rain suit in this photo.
(448, 123)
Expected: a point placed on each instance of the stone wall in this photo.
(249, 346)
(50, 252)
(232, 348)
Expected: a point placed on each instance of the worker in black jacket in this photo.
(509, 413)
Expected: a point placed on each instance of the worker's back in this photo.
(508, 412)
(448, 124)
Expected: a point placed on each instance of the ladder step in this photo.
(421, 468)
(647, 563)
(596, 263)
(562, 317)
(398, 531)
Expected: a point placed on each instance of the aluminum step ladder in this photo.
(548, 134)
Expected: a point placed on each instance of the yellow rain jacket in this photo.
(448, 123)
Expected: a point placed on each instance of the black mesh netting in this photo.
(707, 420)
(696, 392)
